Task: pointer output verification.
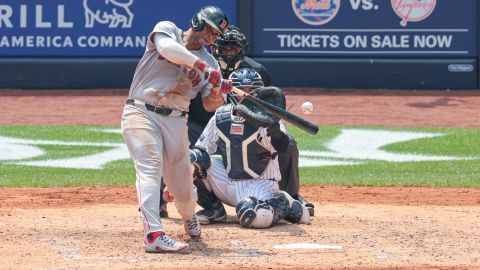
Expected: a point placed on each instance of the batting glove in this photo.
(212, 75)
(226, 87)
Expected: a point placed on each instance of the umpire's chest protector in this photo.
(243, 156)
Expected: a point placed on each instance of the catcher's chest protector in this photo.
(243, 156)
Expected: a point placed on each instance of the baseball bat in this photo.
(279, 112)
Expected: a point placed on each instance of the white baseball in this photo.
(307, 107)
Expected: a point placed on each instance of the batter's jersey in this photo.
(158, 81)
(209, 141)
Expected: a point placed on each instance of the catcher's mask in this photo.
(246, 79)
(230, 49)
(211, 15)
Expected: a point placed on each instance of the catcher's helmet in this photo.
(230, 49)
(211, 15)
(246, 77)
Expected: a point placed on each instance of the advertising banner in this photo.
(103, 28)
(365, 28)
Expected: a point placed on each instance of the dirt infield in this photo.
(360, 227)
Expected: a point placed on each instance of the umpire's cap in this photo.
(213, 16)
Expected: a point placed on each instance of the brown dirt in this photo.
(376, 227)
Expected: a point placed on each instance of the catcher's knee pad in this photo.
(253, 213)
(280, 205)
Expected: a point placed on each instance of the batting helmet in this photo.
(211, 15)
(246, 77)
(230, 49)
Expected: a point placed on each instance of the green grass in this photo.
(115, 173)
(457, 142)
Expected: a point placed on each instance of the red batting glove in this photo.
(226, 87)
(212, 75)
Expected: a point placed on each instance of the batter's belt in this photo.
(159, 109)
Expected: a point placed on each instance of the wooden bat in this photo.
(279, 112)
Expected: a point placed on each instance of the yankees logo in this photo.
(413, 10)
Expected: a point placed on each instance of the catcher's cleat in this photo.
(192, 227)
(158, 242)
(212, 215)
(163, 210)
(310, 207)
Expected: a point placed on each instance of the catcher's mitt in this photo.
(256, 115)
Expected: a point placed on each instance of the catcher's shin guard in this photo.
(245, 210)
(253, 213)
(280, 206)
(287, 208)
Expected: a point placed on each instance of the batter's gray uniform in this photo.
(158, 141)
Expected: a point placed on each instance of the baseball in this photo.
(307, 107)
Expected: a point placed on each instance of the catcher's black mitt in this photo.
(255, 114)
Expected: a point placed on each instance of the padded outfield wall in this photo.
(429, 44)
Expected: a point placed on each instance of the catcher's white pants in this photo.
(231, 191)
(158, 146)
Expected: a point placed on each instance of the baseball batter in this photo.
(154, 123)
(247, 174)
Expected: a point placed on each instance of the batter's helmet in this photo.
(246, 77)
(212, 16)
(231, 39)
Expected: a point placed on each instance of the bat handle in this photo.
(239, 92)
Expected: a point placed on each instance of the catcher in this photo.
(245, 174)
(230, 51)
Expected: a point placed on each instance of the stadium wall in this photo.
(63, 44)
(329, 44)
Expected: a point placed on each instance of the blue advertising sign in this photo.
(365, 28)
(103, 28)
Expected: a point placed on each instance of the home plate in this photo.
(307, 246)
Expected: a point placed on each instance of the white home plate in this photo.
(307, 246)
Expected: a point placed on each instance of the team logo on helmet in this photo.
(223, 24)
(413, 10)
(315, 12)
